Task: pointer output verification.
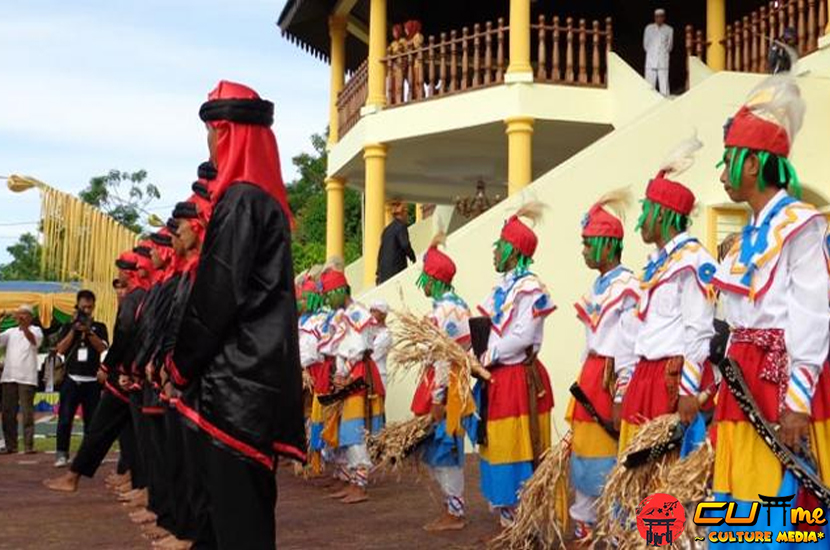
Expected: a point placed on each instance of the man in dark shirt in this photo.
(81, 343)
(394, 245)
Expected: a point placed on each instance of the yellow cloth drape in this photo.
(81, 243)
(45, 303)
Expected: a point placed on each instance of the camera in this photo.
(83, 318)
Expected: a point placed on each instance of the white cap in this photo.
(26, 308)
(659, 11)
(380, 305)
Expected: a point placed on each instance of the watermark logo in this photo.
(770, 519)
(660, 519)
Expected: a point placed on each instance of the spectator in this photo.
(19, 380)
(658, 41)
(81, 342)
(782, 53)
(382, 339)
(394, 245)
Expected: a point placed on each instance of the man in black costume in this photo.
(237, 355)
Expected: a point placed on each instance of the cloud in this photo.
(94, 85)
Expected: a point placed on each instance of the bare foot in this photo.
(447, 522)
(142, 516)
(129, 495)
(116, 480)
(355, 495)
(126, 487)
(154, 532)
(172, 543)
(67, 483)
(339, 490)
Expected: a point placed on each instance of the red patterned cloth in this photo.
(774, 366)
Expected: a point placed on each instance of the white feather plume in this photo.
(682, 157)
(778, 99)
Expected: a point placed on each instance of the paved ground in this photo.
(32, 517)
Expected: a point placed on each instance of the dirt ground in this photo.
(32, 517)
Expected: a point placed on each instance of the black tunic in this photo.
(122, 337)
(394, 250)
(238, 344)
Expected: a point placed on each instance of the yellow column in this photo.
(715, 32)
(334, 217)
(337, 33)
(374, 156)
(520, 68)
(519, 153)
(377, 51)
(419, 212)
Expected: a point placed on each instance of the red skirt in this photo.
(750, 357)
(591, 382)
(422, 401)
(321, 375)
(507, 395)
(365, 369)
(655, 387)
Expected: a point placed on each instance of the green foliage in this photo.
(122, 195)
(307, 199)
(25, 264)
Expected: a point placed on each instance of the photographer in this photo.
(81, 343)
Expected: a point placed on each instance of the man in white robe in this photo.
(658, 40)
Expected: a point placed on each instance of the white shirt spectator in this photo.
(658, 41)
(21, 356)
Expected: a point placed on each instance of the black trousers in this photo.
(140, 462)
(201, 530)
(111, 417)
(177, 477)
(159, 482)
(73, 394)
(242, 496)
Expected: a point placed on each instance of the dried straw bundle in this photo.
(688, 480)
(625, 489)
(418, 344)
(542, 515)
(395, 442)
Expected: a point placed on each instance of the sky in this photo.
(89, 85)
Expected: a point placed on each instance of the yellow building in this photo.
(543, 98)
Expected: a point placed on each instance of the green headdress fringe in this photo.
(737, 158)
(671, 219)
(313, 302)
(439, 288)
(524, 262)
(598, 244)
(336, 292)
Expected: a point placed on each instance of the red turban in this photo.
(439, 266)
(246, 149)
(332, 279)
(670, 194)
(520, 236)
(599, 222)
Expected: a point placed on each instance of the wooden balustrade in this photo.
(352, 98)
(748, 39)
(696, 45)
(579, 67)
(572, 53)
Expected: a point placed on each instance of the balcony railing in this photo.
(352, 98)
(748, 39)
(569, 52)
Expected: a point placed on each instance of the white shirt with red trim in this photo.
(348, 335)
(452, 315)
(609, 313)
(788, 289)
(677, 308)
(310, 326)
(517, 306)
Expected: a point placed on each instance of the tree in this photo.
(307, 199)
(25, 264)
(126, 206)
